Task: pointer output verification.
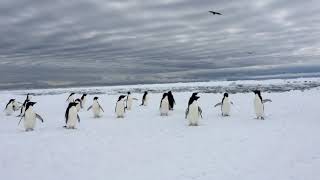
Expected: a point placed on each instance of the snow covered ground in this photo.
(145, 146)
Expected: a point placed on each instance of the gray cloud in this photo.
(96, 42)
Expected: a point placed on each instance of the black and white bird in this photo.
(144, 99)
(225, 105)
(71, 116)
(164, 105)
(96, 108)
(30, 117)
(70, 98)
(193, 111)
(120, 108)
(259, 104)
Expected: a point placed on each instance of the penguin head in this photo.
(146, 92)
(11, 100)
(121, 97)
(192, 99)
(71, 94)
(30, 104)
(95, 98)
(164, 95)
(169, 93)
(258, 92)
(128, 92)
(225, 95)
(195, 93)
(78, 101)
(72, 104)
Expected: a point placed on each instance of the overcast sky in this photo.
(46, 43)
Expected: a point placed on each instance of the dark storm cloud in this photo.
(80, 42)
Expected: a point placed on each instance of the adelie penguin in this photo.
(129, 101)
(144, 99)
(225, 105)
(259, 104)
(30, 117)
(71, 98)
(172, 102)
(79, 104)
(71, 115)
(120, 108)
(164, 105)
(83, 99)
(10, 107)
(96, 108)
(193, 111)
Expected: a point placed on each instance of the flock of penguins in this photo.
(193, 112)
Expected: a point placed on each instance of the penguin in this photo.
(79, 104)
(30, 117)
(164, 105)
(9, 109)
(71, 98)
(259, 104)
(23, 107)
(172, 102)
(120, 108)
(96, 108)
(83, 99)
(71, 116)
(193, 111)
(225, 105)
(16, 105)
(144, 99)
(129, 101)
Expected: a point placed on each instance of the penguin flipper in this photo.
(89, 108)
(200, 111)
(266, 100)
(78, 118)
(20, 120)
(39, 117)
(219, 104)
(101, 108)
(187, 112)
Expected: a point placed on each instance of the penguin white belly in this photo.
(259, 108)
(96, 110)
(120, 109)
(129, 103)
(9, 109)
(83, 102)
(145, 103)
(225, 108)
(78, 106)
(29, 119)
(72, 117)
(193, 114)
(164, 109)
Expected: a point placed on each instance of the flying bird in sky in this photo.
(215, 13)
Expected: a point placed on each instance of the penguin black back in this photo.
(258, 93)
(171, 99)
